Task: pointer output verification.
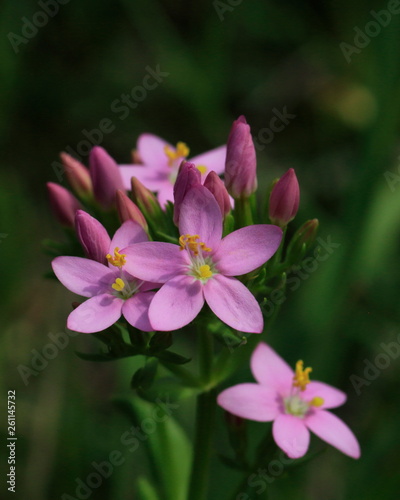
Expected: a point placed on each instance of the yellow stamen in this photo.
(181, 151)
(190, 242)
(118, 259)
(301, 377)
(202, 169)
(317, 401)
(119, 285)
(205, 271)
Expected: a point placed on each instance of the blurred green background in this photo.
(220, 60)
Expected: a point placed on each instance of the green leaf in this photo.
(168, 447)
(146, 490)
(172, 357)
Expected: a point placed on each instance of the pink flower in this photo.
(292, 402)
(111, 289)
(161, 162)
(105, 175)
(202, 266)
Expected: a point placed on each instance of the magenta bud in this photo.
(214, 184)
(78, 175)
(127, 210)
(105, 176)
(93, 237)
(63, 204)
(188, 177)
(284, 199)
(241, 163)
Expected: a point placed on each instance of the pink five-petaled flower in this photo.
(292, 402)
(202, 267)
(161, 162)
(112, 290)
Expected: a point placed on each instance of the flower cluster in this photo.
(191, 245)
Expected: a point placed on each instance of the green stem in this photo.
(243, 214)
(182, 373)
(205, 417)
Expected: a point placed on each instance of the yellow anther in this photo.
(118, 259)
(181, 151)
(189, 242)
(317, 401)
(202, 169)
(205, 271)
(118, 285)
(301, 377)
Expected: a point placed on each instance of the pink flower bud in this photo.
(105, 176)
(214, 184)
(144, 197)
(284, 199)
(188, 177)
(93, 236)
(78, 175)
(63, 204)
(127, 210)
(241, 163)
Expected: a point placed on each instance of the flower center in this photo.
(181, 151)
(202, 169)
(295, 404)
(118, 259)
(124, 288)
(201, 265)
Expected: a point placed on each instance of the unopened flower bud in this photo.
(78, 175)
(302, 240)
(136, 158)
(63, 203)
(105, 176)
(144, 198)
(127, 210)
(284, 199)
(214, 184)
(93, 236)
(188, 177)
(241, 163)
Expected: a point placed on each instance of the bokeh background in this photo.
(222, 59)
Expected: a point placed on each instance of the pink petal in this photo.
(232, 302)
(96, 314)
(291, 435)
(271, 370)
(200, 214)
(165, 193)
(176, 304)
(247, 248)
(136, 311)
(251, 401)
(155, 261)
(332, 397)
(150, 177)
(151, 150)
(83, 276)
(334, 431)
(129, 233)
(212, 160)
